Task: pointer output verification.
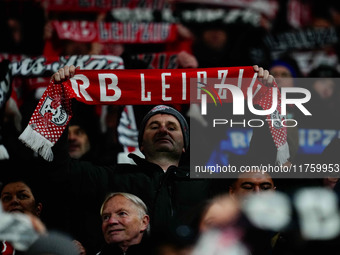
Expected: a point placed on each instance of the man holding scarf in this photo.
(160, 179)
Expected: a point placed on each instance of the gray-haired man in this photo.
(124, 224)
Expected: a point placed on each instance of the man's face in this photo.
(325, 88)
(78, 142)
(282, 75)
(219, 214)
(251, 182)
(215, 38)
(162, 133)
(18, 197)
(122, 222)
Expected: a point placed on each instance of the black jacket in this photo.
(143, 248)
(168, 195)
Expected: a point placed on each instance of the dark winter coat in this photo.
(168, 195)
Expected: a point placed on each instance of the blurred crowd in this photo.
(297, 41)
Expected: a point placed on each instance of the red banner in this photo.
(115, 32)
(136, 87)
(45, 66)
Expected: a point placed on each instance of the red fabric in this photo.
(115, 32)
(136, 87)
(7, 248)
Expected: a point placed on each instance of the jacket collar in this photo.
(148, 167)
(137, 249)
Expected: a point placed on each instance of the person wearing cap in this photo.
(160, 179)
(285, 70)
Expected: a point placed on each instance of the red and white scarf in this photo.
(138, 87)
(116, 32)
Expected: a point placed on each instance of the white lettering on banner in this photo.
(132, 31)
(103, 33)
(146, 35)
(240, 76)
(115, 32)
(104, 87)
(146, 95)
(38, 66)
(142, 82)
(237, 94)
(222, 75)
(201, 78)
(81, 88)
(4, 88)
(28, 66)
(165, 30)
(165, 86)
(184, 86)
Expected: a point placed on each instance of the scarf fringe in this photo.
(37, 142)
(3, 152)
(282, 154)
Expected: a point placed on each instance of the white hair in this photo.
(140, 205)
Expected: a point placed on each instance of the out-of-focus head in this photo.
(83, 132)
(250, 183)
(324, 84)
(17, 196)
(78, 141)
(219, 212)
(53, 243)
(283, 73)
(215, 38)
(324, 87)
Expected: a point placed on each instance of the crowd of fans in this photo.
(95, 199)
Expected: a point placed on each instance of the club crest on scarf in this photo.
(277, 119)
(52, 110)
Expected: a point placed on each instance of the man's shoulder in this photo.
(126, 168)
(140, 165)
